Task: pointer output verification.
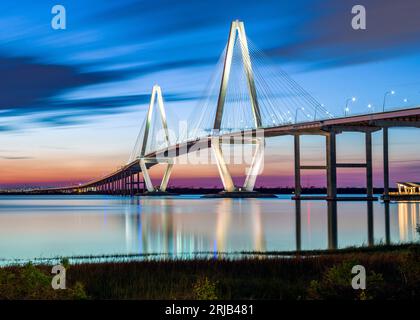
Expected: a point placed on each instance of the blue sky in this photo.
(80, 94)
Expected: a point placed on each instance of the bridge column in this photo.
(122, 183)
(146, 177)
(331, 165)
(131, 184)
(298, 188)
(255, 168)
(386, 164)
(369, 181)
(166, 175)
(125, 183)
(138, 182)
(221, 165)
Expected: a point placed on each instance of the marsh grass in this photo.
(392, 273)
(33, 282)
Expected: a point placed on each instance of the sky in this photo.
(72, 101)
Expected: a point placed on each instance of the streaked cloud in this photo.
(16, 157)
(393, 29)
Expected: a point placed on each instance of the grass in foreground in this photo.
(392, 273)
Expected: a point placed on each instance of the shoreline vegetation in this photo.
(393, 272)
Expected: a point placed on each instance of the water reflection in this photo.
(408, 218)
(298, 224)
(369, 206)
(250, 210)
(387, 224)
(332, 224)
(94, 225)
(161, 234)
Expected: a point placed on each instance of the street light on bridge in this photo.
(316, 109)
(347, 109)
(296, 114)
(392, 92)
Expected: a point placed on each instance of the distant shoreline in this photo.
(192, 191)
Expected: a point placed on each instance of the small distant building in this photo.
(408, 187)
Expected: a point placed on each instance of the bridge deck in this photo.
(371, 122)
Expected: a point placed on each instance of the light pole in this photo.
(316, 109)
(296, 114)
(370, 107)
(346, 109)
(392, 92)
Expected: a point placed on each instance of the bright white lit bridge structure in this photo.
(247, 101)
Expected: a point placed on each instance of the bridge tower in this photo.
(237, 30)
(145, 162)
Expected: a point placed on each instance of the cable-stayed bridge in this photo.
(247, 101)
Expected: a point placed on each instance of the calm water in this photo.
(51, 226)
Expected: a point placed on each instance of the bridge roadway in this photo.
(127, 179)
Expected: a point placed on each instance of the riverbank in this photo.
(393, 272)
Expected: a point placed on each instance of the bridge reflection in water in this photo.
(240, 225)
(184, 225)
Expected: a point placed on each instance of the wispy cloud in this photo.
(33, 88)
(393, 29)
(25, 82)
(152, 37)
(16, 158)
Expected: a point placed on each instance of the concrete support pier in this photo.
(298, 188)
(369, 175)
(331, 157)
(331, 169)
(386, 164)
